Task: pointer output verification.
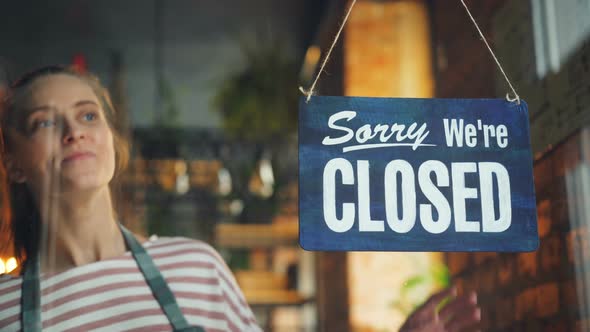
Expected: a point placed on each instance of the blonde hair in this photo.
(19, 215)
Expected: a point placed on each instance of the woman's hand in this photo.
(459, 313)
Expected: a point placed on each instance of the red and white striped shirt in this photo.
(112, 294)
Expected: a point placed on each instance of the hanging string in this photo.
(508, 96)
(310, 92)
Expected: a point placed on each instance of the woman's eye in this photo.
(38, 124)
(90, 116)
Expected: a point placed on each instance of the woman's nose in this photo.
(72, 132)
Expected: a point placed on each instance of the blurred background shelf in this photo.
(268, 288)
(278, 279)
(275, 298)
(256, 235)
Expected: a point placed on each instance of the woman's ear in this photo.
(15, 173)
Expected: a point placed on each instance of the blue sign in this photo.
(389, 174)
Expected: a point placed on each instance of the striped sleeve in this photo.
(238, 313)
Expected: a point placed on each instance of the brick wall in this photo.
(543, 290)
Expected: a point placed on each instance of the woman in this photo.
(62, 150)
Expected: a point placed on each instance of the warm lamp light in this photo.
(8, 266)
(312, 57)
(11, 264)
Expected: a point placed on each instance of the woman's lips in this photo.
(78, 156)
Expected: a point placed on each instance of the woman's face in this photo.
(63, 139)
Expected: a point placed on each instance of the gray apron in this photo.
(31, 299)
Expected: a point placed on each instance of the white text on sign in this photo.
(404, 222)
(457, 132)
(366, 136)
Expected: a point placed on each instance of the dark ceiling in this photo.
(194, 44)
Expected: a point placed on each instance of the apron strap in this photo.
(31, 297)
(31, 293)
(157, 284)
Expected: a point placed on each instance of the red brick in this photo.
(544, 217)
(487, 277)
(481, 257)
(543, 173)
(474, 283)
(487, 319)
(551, 253)
(527, 264)
(504, 312)
(525, 304)
(458, 262)
(460, 284)
(506, 269)
(560, 213)
(547, 300)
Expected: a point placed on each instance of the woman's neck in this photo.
(80, 230)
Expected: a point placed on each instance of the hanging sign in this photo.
(390, 174)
